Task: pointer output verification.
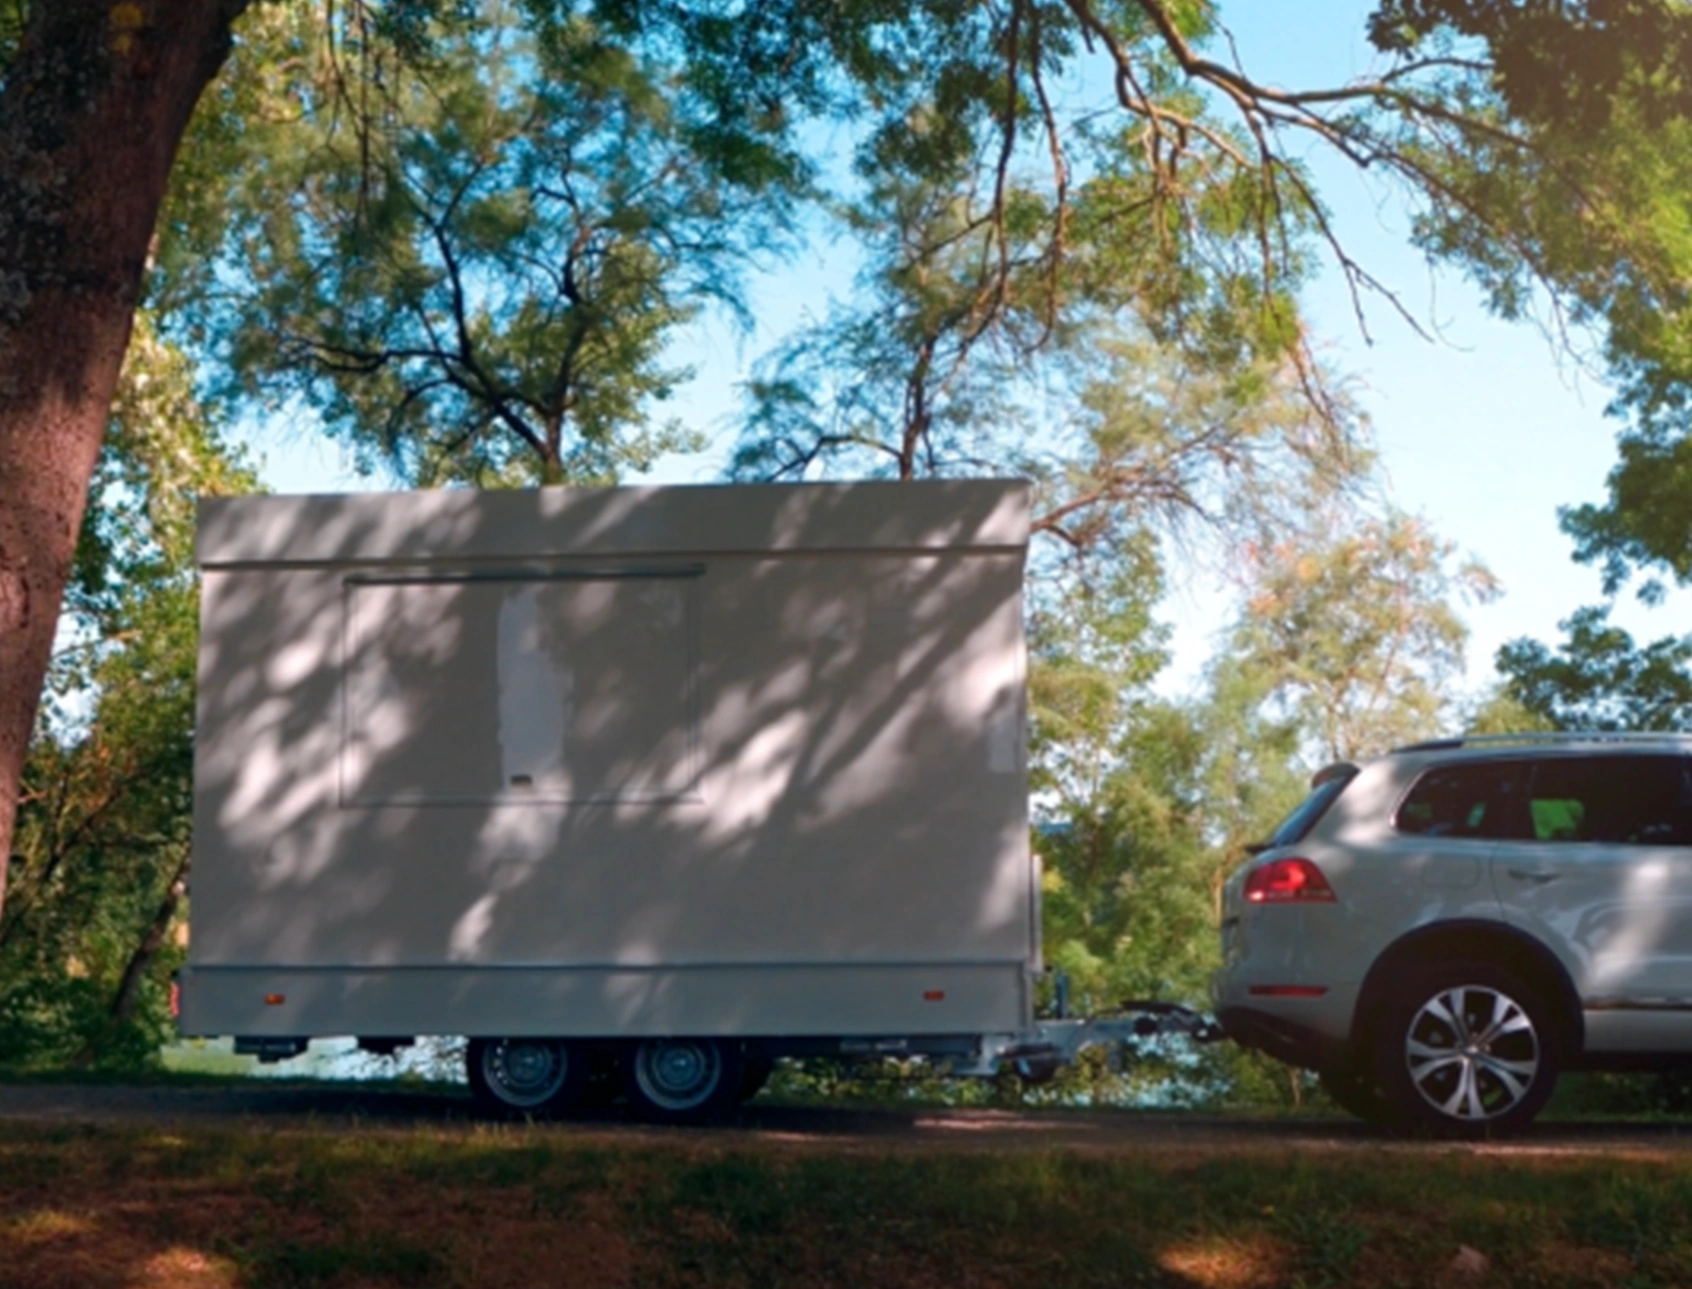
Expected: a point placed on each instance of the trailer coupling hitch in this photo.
(1153, 1017)
(1038, 1052)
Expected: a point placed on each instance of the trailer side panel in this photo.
(656, 761)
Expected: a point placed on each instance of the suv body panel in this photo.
(1386, 885)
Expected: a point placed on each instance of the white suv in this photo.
(1441, 931)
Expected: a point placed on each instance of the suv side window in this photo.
(1620, 800)
(1466, 799)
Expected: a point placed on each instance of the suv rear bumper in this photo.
(1283, 1039)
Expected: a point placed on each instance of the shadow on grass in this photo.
(218, 1205)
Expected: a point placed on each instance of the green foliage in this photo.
(1572, 64)
(1122, 917)
(464, 233)
(1598, 679)
(1039, 295)
(469, 263)
(1500, 712)
(1563, 192)
(1147, 803)
(1644, 523)
(1358, 636)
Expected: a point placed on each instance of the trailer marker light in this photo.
(933, 995)
(275, 1000)
(1288, 991)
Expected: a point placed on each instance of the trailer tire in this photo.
(682, 1080)
(1036, 1072)
(519, 1077)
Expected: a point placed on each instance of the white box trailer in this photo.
(698, 776)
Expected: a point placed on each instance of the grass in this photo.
(285, 1208)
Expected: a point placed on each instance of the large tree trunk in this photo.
(91, 113)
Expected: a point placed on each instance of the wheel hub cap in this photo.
(525, 1073)
(678, 1068)
(678, 1075)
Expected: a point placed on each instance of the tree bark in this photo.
(92, 111)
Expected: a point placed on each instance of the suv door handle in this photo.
(1536, 875)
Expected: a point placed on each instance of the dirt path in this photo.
(278, 1106)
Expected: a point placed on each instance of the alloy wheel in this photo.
(1473, 1053)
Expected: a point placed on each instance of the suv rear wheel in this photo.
(1358, 1094)
(1466, 1049)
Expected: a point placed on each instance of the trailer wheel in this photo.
(526, 1076)
(1037, 1073)
(683, 1080)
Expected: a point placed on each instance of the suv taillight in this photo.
(1288, 881)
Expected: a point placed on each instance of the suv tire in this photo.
(1466, 1049)
(1359, 1095)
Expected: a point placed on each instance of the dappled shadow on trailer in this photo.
(635, 761)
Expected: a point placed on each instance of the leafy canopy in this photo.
(1598, 679)
(466, 233)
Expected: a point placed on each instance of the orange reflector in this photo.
(176, 1000)
(933, 995)
(275, 1000)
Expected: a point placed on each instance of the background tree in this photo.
(1147, 803)
(475, 269)
(1248, 765)
(1121, 917)
(1598, 679)
(1573, 206)
(1358, 636)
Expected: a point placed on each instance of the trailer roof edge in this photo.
(465, 524)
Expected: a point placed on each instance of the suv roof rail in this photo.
(1548, 736)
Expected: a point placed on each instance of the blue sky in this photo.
(1487, 430)
(1484, 432)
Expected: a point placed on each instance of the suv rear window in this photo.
(1468, 799)
(1312, 808)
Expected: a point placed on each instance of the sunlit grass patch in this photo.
(179, 1268)
(1220, 1262)
(39, 1225)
